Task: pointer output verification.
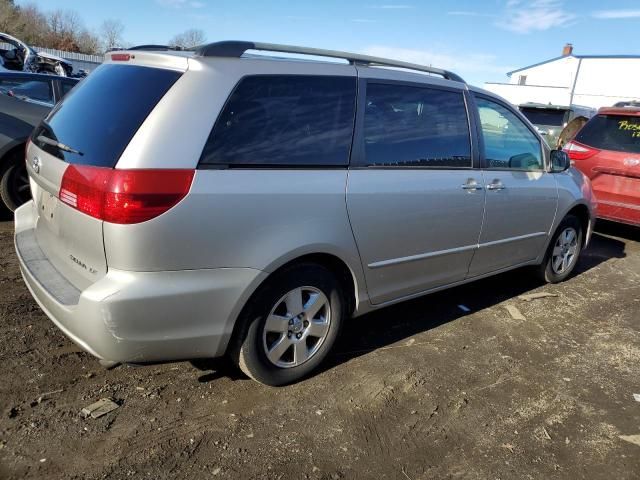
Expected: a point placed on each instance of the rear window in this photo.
(544, 116)
(612, 132)
(100, 117)
(285, 120)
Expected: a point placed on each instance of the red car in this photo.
(607, 150)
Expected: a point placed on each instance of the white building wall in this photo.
(559, 73)
(605, 81)
(601, 82)
(517, 94)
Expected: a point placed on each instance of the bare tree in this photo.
(189, 38)
(111, 34)
(7, 14)
(88, 43)
(62, 29)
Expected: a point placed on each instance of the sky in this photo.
(479, 40)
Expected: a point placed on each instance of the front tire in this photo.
(290, 325)
(14, 182)
(563, 251)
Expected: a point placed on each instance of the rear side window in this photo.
(612, 132)
(33, 91)
(101, 115)
(285, 120)
(545, 116)
(414, 126)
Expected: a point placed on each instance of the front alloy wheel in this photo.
(565, 251)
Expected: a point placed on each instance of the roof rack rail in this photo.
(155, 47)
(235, 49)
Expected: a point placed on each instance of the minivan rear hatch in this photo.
(78, 144)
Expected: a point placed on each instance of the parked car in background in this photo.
(25, 99)
(18, 56)
(607, 150)
(247, 205)
(550, 119)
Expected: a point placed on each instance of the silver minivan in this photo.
(227, 201)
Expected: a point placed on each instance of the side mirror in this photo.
(560, 161)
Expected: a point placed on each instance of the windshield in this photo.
(100, 117)
(544, 116)
(612, 132)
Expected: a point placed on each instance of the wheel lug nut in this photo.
(289, 334)
(306, 323)
(298, 335)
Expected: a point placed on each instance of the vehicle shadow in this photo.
(395, 323)
(620, 230)
(401, 321)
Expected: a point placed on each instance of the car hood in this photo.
(52, 57)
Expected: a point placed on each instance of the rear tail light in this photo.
(578, 151)
(123, 196)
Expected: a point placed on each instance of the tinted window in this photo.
(285, 120)
(101, 116)
(66, 87)
(612, 132)
(544, 116)
(508, 143)
(36, 91)
(413, 126)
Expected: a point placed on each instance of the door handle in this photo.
(471, 185)
(496, 185)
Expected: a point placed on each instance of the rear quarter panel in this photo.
(258, 219)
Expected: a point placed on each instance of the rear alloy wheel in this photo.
(14, 183)
(289, 326)
(563, 251)
(296, 327)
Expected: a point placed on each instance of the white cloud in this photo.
(616, 14)
(461, 63)
(535, 15)
(521, 16)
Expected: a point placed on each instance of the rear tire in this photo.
(563, 251)
(14, 182)
(289, 326)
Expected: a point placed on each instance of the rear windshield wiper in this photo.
(61, 146)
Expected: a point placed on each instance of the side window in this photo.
(66, 87)
(33, 91)
(416, 126)
(285, 120)
(508, 143)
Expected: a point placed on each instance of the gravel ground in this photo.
(415, 391)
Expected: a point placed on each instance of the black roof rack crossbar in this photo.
(155, 48)
(235, 49)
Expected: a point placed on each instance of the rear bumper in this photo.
(138, 316)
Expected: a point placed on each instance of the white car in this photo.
(23, 58)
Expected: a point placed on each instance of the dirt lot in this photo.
(420, 390)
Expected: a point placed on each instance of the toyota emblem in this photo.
(35, 164)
